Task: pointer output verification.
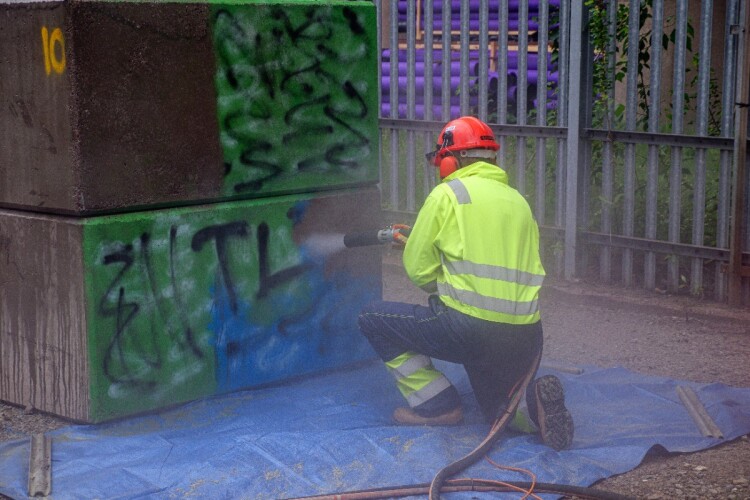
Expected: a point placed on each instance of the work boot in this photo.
(407, 416)
(553, 418)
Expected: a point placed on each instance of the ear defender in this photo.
(448, 165)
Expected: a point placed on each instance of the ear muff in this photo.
(448, 165)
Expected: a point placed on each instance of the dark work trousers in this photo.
(496, 356)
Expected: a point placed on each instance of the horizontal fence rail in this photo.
(628, 162)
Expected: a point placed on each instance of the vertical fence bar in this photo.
(393, 75)
(654, 111)
(628, 215)
(429, 40)
(445, 85)
(745, 283)
(675, 169)
(725, 157)
(574, 139)
(605, 254)
(464, 38)
(585, 147)
(484, 43)
(379, 44)
(502, 77)
(522, 92)
(411, 65)
(739, 184)
(699, 175)
(522, 84)
(541, 114)
(562, 121)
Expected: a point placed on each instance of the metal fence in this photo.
(623, 123)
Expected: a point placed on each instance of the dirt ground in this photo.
(649, 333)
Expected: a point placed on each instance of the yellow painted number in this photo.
(54, 50)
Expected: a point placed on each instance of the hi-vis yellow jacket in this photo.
(477, 240)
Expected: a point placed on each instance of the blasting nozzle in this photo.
(397, 233)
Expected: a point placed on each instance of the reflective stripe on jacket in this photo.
(416, 378)
(476, 238)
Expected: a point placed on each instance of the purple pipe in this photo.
(454, 101)
(531, 92)
(492, 24)
(492, 16)
(474, 14)
(437, 66)
(513, 5)
(455, 81)
(437, 58)
(532, 77)
(419, 84)
(419, 54)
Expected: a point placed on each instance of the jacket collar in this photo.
(481, 169)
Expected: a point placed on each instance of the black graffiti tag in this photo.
(186, 337)
(285, 62)
(123, 313)
(219, 234)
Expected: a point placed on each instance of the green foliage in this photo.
(605, 100)
(599, 25)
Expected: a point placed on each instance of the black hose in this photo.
(479, 485)
(501, 422)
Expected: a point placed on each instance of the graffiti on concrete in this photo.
(295, 96)
(195, 303)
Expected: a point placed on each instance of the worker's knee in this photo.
(369, 318)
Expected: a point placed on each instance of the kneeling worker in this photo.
(475, 247)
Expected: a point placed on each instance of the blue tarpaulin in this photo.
(334, 433)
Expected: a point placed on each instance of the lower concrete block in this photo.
(115, 315)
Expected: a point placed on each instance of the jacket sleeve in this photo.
(421, 255)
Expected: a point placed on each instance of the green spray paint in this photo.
(297, 95)
(191, 302)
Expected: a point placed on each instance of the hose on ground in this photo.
(501, 422)
(478, 485)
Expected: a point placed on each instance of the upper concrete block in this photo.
(117, 106)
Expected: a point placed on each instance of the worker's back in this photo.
(488, 246)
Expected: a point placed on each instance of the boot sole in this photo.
(555, 421)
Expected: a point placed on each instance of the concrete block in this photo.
(115, 315)
(118, 106)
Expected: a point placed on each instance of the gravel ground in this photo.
(664, 336)
(654, 334)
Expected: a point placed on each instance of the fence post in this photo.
(573, 139)
(740, 160)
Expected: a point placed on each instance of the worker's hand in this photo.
(401, 233)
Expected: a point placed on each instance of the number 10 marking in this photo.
(51, 43)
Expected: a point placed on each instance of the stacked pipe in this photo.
(493, 6)
(399, 82)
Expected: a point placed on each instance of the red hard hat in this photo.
(460, 134)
